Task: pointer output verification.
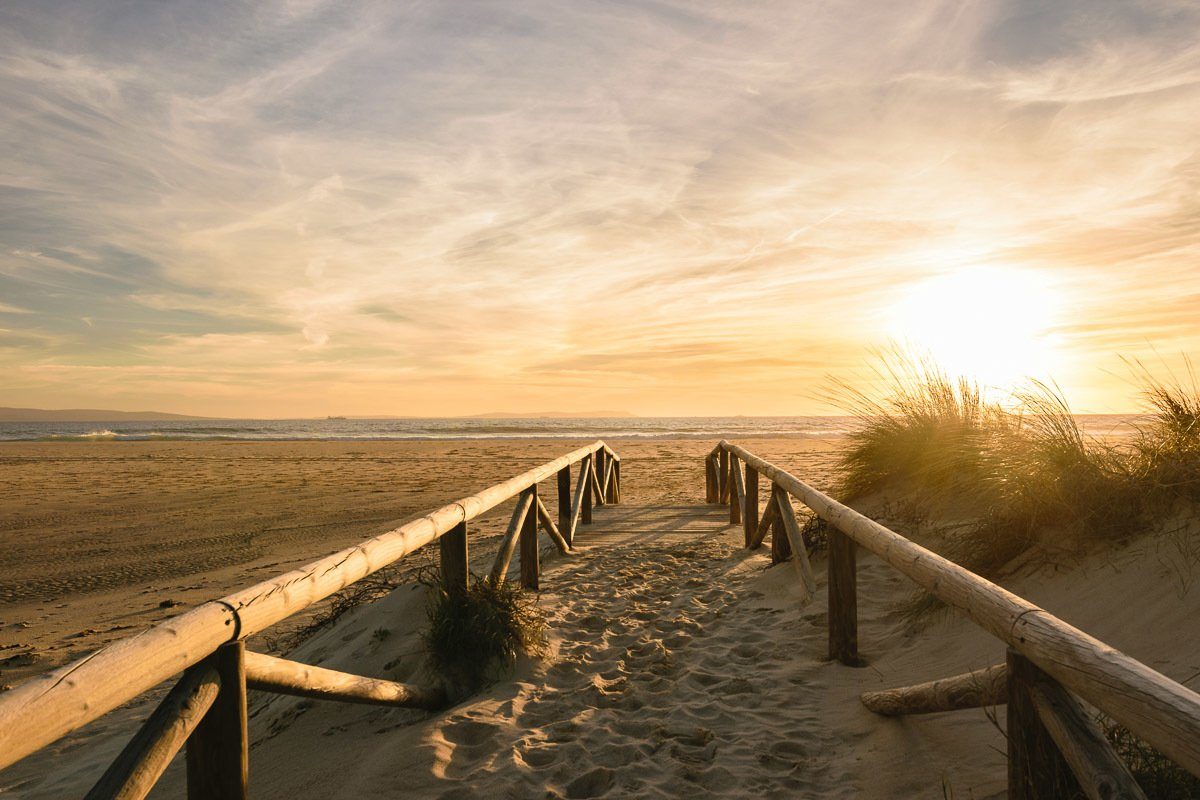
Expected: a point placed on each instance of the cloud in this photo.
(443, 201)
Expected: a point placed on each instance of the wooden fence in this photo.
(206, 709)
(1052, 740)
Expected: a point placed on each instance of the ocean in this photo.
(818, 427)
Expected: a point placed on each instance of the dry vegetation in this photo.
(473, 633)
(983, 484)
(997, 480)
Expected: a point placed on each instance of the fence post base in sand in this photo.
(564, 504)
(530, 563)
(585, 518)
(1036, 768)
(735, 499)
(750, 511)
(781, 549)
(135, 771)
(843, 600)
(453, 546)
(218, 759)
(710, 479)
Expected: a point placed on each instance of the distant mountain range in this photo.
(8, 414)
(552, 415)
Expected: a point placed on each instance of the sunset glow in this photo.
(693, 208)
(992, 324)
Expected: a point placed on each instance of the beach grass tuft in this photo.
(1010, 477)
(474, 632)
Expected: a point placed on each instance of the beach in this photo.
(678, 662)
(101, 538)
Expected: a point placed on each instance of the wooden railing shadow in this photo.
(1052, 740)
(206, 710)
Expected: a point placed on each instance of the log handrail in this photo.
(47, 707)
(1152, 706)
(281, 676)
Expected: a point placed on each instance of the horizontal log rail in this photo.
(1162, 712)
(983, 687)
(207, 707)
(270, 674)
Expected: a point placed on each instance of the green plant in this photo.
(472, 632)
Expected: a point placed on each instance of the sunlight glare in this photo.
(993, 324)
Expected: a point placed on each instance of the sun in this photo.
(993, 324)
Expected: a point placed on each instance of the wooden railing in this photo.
(206, 709)
(1051, 738)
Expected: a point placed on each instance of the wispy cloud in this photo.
(309, 207)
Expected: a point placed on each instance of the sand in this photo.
(680, 664)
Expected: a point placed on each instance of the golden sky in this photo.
(309, 208)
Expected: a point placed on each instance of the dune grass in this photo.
(473, 633)
(1011, 477)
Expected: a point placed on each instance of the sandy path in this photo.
(675, 675)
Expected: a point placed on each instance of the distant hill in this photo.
(551, 415)
(83, 415)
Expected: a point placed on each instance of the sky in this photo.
(304, 208)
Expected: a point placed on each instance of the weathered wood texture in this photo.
(135, 771)
(1097, 768)
(982, 687)
(269, 674)
(781, 548)
(1154, 707)
(588, 467)
(843, 599)
(45, 708)
(710, 479)
(581, 488)
(1036, 768)
(565, 520)
(551, 529)
(765, 524)
(737, 495)
(594, 477)
(531, 566)
(614, 480)
(453, 548)
(750, 507)
(508, 544)
(799, 554)
(723, 476)
(218, 751)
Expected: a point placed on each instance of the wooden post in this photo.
(710, 479)
(735, 506)
(1100, 772)
(1036, 768)
(616, 485)
(564, 503)
(723, 477)
(601, 464)
(843, 600)
(453, 545)
(135, 771)
(218, 759)
(586, 517)
(780, 548)
(530, 565)
(750, 512)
